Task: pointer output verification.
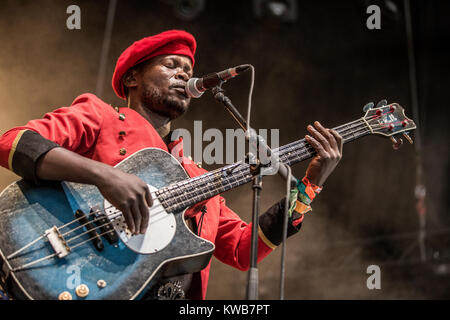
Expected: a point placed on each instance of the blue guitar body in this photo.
(116, 272)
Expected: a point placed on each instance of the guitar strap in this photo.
(4, 274)
(3, 294)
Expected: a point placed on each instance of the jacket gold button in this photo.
(122, 116)
(122, 151)
(122, 133)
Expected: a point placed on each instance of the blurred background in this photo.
(314, 60)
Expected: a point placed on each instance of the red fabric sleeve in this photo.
(233, 240)
(75, 128)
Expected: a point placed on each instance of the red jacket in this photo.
(96, 130)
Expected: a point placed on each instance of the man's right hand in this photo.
(124, 191)
(130, 195)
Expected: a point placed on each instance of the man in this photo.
(83, 142)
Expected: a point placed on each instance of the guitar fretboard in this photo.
(186, 193)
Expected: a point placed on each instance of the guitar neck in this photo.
(186, 193)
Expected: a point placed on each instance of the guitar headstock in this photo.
(390, 121)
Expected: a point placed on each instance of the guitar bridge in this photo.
(57, 242)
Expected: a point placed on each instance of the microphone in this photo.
(196, 86)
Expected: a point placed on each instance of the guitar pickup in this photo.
(95, 238)
(105, 226)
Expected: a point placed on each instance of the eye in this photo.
(169, 64)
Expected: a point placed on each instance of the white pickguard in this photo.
(161, 228)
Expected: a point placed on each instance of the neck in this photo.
(159, 122)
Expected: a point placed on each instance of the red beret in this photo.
(168, 42)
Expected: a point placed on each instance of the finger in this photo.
(128, 219)
(326, 133)
(136, 217)
(339, 139)
(316, 145)
(148, 197)
(319, 138)
(144, 214)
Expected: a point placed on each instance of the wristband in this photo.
(301, 197)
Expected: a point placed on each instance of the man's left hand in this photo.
(328, 145)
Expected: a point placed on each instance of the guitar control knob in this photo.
(101, 283)
(65, 295)
(82, 290)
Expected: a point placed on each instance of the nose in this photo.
(181, 75)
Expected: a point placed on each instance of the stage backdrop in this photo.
(325, 65)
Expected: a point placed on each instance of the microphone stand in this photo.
(258, 170)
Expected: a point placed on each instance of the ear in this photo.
(129, 78)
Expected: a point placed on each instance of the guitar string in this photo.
(111, 223)
(295, 154)
(154, 193)
(345, 126)
(241, 171)
(15, 253)
(215, 188)
(291, 145)
(207, 181)
(205, 178)
(118, 213)
(361, 120)
(73, 247)
(81, 243)
(100, 218)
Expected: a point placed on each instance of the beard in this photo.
(165, 105)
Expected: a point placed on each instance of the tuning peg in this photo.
(381, 103)
(396, 143)
(368, 106)
(407, 137)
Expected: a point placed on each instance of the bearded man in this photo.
(82, 143)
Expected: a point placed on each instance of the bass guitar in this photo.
(63, 240)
